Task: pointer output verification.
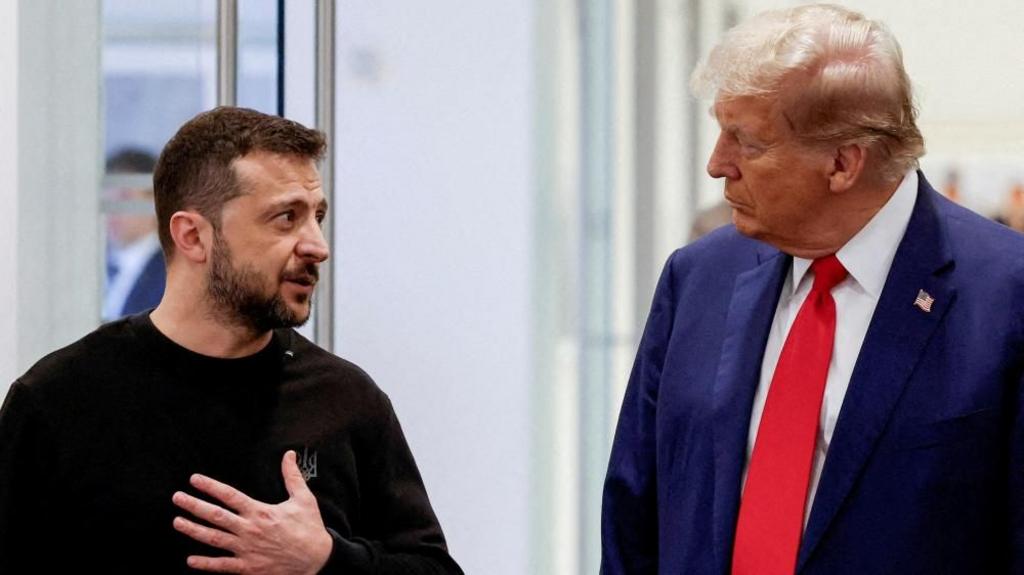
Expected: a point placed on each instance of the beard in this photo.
(239, 297)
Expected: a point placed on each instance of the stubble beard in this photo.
(237, 295)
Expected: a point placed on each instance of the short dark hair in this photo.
(195, 167)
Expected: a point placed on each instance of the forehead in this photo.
(267, 175)
(750, 114)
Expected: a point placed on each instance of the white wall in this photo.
(967, 64)
(8, 191)
(433, 238)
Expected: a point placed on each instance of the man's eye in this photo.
(287, 217)
(748, 149)
(320, 217)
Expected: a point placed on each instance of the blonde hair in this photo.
(838, 76)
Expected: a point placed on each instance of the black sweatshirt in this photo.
(96, 437)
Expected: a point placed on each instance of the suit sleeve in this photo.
(404, 536)
(629, 515)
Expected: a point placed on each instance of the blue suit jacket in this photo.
(925, 472)
(148, 288)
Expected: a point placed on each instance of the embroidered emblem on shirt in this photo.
(307, 463)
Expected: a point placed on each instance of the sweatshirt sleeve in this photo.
(403, 534)
(24, 497)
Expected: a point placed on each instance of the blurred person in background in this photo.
(833, 384)
(951, 187)
(209, 435)
(710, 219)
(135, 263)
(1012, 212)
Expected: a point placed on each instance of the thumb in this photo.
(293, 480)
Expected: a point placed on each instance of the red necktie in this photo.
(771, 517)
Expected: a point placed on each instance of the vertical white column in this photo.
(671, 190)
(624, 199)
(58, 174)
(555, 347)
(9, 191)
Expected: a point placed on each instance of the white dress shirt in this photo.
(867, 257)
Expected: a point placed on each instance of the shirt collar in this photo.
(869, 254)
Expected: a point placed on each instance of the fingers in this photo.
(208, 512)
(224, 493)
(215, 564)
(203, 534)
(293, 480)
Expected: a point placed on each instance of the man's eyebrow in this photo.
(730, 128)
(294, 201)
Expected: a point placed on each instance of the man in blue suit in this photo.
(136, 272)
(833, 384)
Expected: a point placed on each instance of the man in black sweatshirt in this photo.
(207, 435)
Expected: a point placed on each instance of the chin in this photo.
(746, 226)
(301, 313)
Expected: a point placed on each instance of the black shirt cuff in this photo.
(347, 557)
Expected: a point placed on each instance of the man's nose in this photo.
(721, 163)
(312, 245)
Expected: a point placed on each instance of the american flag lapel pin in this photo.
(924, 301)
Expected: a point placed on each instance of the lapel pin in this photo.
(924, 301)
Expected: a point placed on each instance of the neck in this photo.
(185, 317)
(831, 228)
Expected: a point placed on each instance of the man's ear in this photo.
(847, 167)
(192, 235)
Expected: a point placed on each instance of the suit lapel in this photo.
(896, 338)
(751, 310)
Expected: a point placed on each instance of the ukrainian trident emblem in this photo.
(307, 463)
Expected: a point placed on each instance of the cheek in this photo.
(754, 188)
(261, 263)
(279, 260)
